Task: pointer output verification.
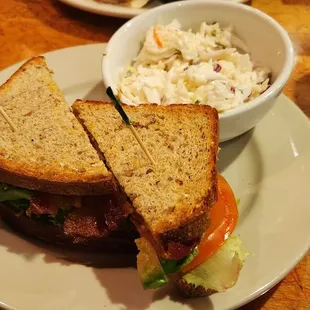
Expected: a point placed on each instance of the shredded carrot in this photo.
(157, 38)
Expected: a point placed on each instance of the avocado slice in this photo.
(149, 267)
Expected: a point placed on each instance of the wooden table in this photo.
(32, 27)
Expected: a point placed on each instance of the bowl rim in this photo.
(274, 89)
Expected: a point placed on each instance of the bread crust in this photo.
(51, 179)
(117, 242)
(174, 241)
(189, 290)
(191, 229)
(59, 184)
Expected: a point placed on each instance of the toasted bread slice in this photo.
(172, 199)
(50, 151)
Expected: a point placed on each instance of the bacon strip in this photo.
(91, 217)
(43, 203)
(97, 218)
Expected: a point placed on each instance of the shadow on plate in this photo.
(131, 295)
(231, 149)
(170, 292)
(248, 183)
(98, 92)
(123, 288)
(72, 21)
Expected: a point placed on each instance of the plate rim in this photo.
(304, 119)
(105, 8)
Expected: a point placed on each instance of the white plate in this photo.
(269, 170)
(116, 10)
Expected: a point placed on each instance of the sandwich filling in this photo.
(213, 266)
(79, 216)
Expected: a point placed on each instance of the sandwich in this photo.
(183, 210)
(53, 183)
(76, 177)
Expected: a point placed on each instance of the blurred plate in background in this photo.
(94, 6)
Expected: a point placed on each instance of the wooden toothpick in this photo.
(8, 120)
(127, 121)
(133, 130)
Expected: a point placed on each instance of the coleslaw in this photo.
(203, 67)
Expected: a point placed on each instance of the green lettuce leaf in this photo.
(19, 199)
(59, 219)
(21, 205)
(218, 273)
(11, 193)
(173, 266)
(153, 270)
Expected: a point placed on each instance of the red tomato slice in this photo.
(224, 217)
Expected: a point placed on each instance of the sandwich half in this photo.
(172, 200)
(77, 177)
(53, 183)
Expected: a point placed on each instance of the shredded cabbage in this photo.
(177, 66)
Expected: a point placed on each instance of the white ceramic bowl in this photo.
(268, 43)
